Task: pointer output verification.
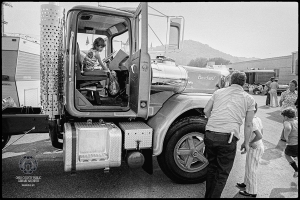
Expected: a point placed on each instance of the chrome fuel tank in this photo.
(168, 77)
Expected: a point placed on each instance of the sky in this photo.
(242, 29)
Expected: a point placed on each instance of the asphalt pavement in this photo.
(275, 175)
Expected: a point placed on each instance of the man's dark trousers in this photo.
(220, 155)
(268, 99)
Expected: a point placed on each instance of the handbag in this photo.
(113, 85)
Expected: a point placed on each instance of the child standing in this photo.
(252, 159)
(290, 124)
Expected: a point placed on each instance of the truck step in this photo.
(92, 157)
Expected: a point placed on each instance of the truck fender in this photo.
(171, 110)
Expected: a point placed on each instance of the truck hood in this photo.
(203, 80)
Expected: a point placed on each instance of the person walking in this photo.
(252, 159)
(273, 93)
(268, 89)
(288, 99)
(226, 110)
(290, 123)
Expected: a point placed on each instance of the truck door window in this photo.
(140, 31)
(121, 42)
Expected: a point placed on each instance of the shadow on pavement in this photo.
(264, 107)
(239, 196)
(33, 148)
(273, 153)
(275, 116)
(278, 192)
(280, 145)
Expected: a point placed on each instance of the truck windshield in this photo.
(121, 42)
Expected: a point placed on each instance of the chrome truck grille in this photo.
(51, 58)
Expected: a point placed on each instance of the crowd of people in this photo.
(255, 88)
(226, 110)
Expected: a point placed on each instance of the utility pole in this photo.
(2, 11)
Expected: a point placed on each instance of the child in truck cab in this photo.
(92, 60)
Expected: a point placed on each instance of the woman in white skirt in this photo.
(252, 159)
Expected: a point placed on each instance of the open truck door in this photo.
(140, 67)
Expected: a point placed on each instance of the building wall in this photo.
(282, 66)
(21, 63)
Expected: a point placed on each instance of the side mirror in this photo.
(175, 33)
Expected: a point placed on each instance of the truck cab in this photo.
(125, 32)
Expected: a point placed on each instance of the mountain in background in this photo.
(193, 49)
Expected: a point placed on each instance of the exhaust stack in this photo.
(51, 58)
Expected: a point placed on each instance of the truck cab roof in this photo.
(106, 22)
(90, 21)
(128, 12)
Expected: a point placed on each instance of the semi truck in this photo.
(258, 76)
(156, 110)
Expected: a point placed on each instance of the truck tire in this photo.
(182, 158)
(54, 134)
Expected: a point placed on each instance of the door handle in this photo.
(70, 52)
(132, 68)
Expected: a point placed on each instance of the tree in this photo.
(198, 62)
(219, 61)
(202, 62)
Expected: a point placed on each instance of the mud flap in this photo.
(54, 134)
(148, 165)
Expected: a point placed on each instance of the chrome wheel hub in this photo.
(188, 152)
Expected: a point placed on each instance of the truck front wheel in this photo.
(182, 159)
